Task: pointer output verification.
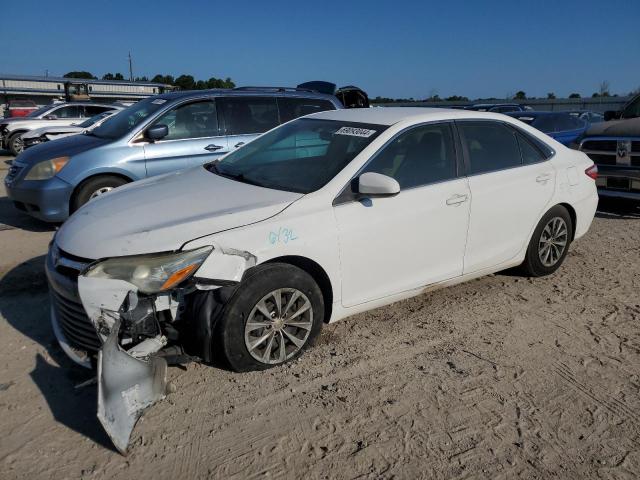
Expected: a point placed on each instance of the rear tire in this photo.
(549, 244)
(95, 187)
(247, 339)
(15, 144)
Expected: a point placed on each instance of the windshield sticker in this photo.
(355, 132)
(159, 101)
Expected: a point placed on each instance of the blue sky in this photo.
(396, 49)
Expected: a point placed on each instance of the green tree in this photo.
(141, 79)
(185, 82)
(520, 95)
(456, 98)
(168, 79)
(575, 95)
(79, 74)
(111, 76)
(551, 96)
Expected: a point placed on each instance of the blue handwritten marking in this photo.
(283, 235)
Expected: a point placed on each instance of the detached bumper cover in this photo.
(126, 387)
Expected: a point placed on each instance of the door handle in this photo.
(543, 178)
(239, 144)
(457, 199)
(212, 147)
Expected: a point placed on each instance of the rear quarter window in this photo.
(291, 108)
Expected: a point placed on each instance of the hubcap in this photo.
(278, 325)
(99, 192)
(553, 241)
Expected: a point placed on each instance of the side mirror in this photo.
(51, 116)
(611, 115)
(157, 132)
(377, 185)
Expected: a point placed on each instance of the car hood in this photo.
(35, 133)
(630, 127)
(163, 213)
(63, 147)
(12, 120)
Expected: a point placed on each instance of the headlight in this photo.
(47, 169)
(151, 273)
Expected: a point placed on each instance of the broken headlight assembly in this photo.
(153, 273)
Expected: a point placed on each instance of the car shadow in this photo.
(24, 304)
(11, 217)
(617, 208)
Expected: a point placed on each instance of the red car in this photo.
(20, 108)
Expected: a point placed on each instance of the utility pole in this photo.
(130, 68)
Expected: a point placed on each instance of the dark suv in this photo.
(614, 146)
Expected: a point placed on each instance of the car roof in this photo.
(392, 115)
(246, 91)
(535, 113)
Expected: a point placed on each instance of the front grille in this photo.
(72, 318)
(613, 151)
(601, 145)
(75, 324)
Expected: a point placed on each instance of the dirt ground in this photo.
(503, 377)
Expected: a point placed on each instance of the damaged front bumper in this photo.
(126, 387)
(130, 336)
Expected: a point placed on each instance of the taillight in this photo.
(592, 172)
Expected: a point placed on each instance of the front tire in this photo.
(550, 243)
(94, 187)
(275, 314)
(16, 144)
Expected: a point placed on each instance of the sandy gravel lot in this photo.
(503, 377)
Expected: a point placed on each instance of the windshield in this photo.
(301, 156)
(41, 110)
(126, 120)
(90, 121)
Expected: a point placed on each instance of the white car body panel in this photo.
(53, 132)
(250, 225)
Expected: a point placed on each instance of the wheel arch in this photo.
(83, 182)
(573, 215)
(318, 274)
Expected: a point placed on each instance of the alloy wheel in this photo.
(100, 191)
(553, 241)
(278, 325)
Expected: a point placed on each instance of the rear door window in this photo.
(91, 110)
(490, 146)
(291, 108)
(70, 111)
(249, 115)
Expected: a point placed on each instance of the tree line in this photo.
(184, 82)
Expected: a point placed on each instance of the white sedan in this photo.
(324, 217)
(55, 132)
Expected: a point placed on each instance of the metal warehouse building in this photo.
(44, 90)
